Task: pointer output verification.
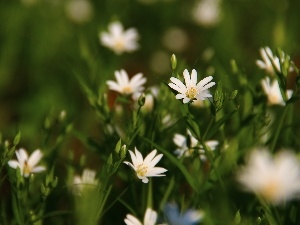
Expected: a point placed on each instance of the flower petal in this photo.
(35, 157)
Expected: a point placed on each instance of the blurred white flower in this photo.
(175, 39)
(149, 99)
(27, 164)
(207, 13)
(175, 217)
(266, 63)
(276, 179)
(86, 181)
(118, 40)
(149, 218)
(79, 11)
(126, 86)
(273, 92)
(145, 168)
(184, 150)
(191, 90)
(267, 59)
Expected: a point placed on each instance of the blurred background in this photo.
(44, 43)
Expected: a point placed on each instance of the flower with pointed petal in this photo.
(192, 90)
(269, 60)
(272, 90)
(276, 179)
(149, 218)
(144, 168)
(118, 40)
(189, 217)
(27, 164)
(184, 150)
(134, 86)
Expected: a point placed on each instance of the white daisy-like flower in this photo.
(86, 181)
(276, 179)
(145, 168)
(119, 40)
(185, 151)
(273, 93)
(126, 86)
(149, 218)
(27, 164)
(192, 90)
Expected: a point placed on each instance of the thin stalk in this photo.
(278, 129)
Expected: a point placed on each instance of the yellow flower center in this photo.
(274, 99)
(127, 90)
(141, 170)
(270, 191)
(191, 93)
(119, 45)
(26, 169)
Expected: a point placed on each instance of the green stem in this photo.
(209, 126)
(278, 129)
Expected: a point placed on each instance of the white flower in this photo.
(186, 151)
(118, 40)
(266, 63)
(86, 181)
(149, 218)
(207, 12)
(273, 92)
(126, 86)
(27, 164)
(191, 90)
(144, 168)
(267, 59)
(276, 179)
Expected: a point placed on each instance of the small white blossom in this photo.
(126, 86)
(118, 40)
(145, 168)
(276, 179)
(273, 93)
(183, 150)
(27, 164)
(192, 90)
(149, 218)
(267, 59)
(266, 63)
(86, 181)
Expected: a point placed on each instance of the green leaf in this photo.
(17, 138)
(214, 129)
